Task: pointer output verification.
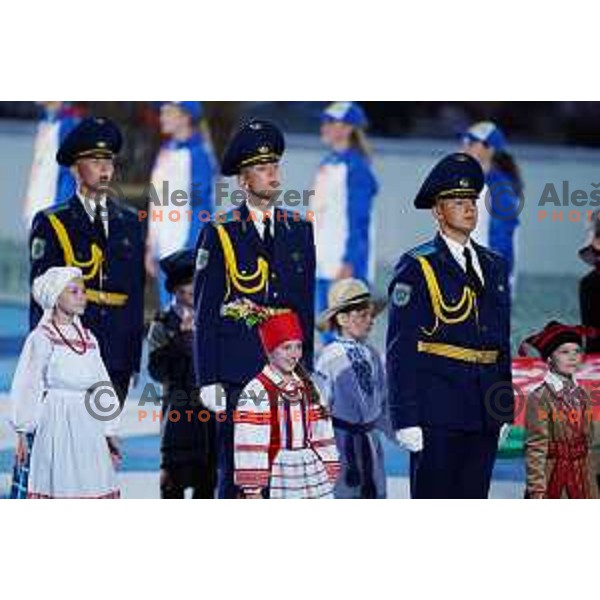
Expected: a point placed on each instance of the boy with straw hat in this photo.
(352, 380)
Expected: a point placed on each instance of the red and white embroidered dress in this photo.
(283, 440)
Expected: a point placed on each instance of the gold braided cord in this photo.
(63, 238)
(234, 277)
(106, 298)
(464, 307)
(484, 357)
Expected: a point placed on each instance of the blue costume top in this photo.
(505, 204)
(49, 183)
(344, 192)
(181, 166)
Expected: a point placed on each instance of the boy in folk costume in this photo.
(284, 445)
(73, 454)
(352, 379)
(559, 427)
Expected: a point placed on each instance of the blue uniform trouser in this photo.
(453, 464)
(226, 487)
(321, 290)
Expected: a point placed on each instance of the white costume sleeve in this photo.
(29, 382)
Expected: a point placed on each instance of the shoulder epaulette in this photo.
(423, 250)
(58, 208)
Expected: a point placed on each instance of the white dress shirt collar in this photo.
(457, 250)
(258, 216)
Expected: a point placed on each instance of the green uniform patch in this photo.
(401, 294)
(38, 248)
(201, 259)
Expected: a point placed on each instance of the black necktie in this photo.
(99, 224)
(472, 276)
(268, 235)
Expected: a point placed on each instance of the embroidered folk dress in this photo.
(559, 435)
(70, 457)
(283, 441)
(351, 377)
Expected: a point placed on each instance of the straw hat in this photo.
(343, 295)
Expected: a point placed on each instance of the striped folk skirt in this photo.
(299, 474)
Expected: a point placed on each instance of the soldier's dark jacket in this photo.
(113, 274)
(449, 362)
(232, 263)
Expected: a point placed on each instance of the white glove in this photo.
(213, 397)
(410, 438)
(504, 433)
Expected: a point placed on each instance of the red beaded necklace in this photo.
(67, 342)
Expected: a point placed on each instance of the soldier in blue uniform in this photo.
(448, 343)
(257, 252)
(105, 240)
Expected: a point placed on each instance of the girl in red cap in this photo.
(559, 420)
(284, 445)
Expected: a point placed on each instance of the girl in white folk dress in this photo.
(73, 454)
(284, 445)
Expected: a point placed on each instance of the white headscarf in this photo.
(49, 286)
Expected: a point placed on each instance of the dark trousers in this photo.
(453, 464)
(225, 485)
(174, 485)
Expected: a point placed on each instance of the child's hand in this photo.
(21, 451)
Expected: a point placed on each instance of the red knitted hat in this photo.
(279, 329)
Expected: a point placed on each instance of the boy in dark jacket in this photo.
(187, 428)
